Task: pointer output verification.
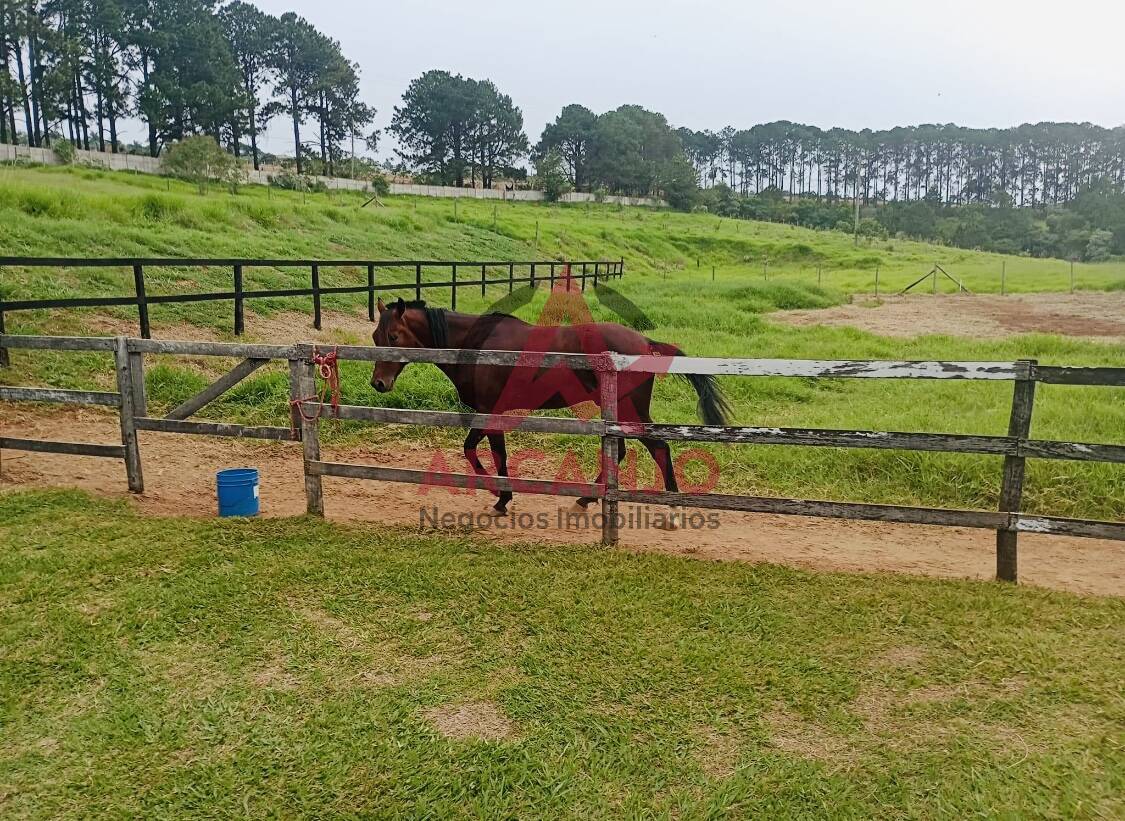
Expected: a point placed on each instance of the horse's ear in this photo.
(399, 307)
(382, 308)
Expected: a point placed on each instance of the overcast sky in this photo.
(711, 63)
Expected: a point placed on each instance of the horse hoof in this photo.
(674, 520)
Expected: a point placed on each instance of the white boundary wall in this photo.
(151, 165)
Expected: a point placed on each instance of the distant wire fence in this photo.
(934, 281)
(456, 275)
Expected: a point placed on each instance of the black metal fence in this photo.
(461, 274)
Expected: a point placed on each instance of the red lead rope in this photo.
(329, 370)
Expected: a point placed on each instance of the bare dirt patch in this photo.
(794, 735)
(277, 328)
(1089, 315)
(717, 754)
(180, 481)
(480, 720)
(896, 657)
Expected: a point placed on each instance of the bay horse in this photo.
(498, 389)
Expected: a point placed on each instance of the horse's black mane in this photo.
(439, 327)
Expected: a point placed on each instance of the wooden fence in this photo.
(1016, 447)
(461, 274)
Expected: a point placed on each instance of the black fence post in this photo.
(4, 360)
(316, 296)
(533, 275)
(511, 276)
(453, 289)
(142, 300)
(418, 280)
(482, 275)
(595, 273)
(552, 276)
(371, 293)
(239, 303)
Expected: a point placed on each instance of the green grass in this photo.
(66, 211)
(172, 668)
(69, 211)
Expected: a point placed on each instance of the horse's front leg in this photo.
(471, 442)
(500, 457)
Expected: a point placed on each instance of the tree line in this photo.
(77, 68)
(1041, 164)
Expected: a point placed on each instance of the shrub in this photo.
(379, 185)
(64, 150)
(200, 160)
(550, 177)
(297, 182)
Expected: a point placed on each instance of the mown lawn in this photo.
(176, 668)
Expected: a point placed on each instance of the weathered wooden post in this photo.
(1011, 489)
(137, 380)
(302, 386)
(1072, 276)
(316, 295)
(1003, 275)
(126, 414)
(876, 281)
(239, 318)
(142, 300)
(607, 371)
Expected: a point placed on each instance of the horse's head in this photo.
(394, 330)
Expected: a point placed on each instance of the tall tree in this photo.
(497, 139)
(433, 125)
(571, 135)
(294, 58)
(251, 35)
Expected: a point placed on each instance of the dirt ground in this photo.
(1090, 315)
(180, 475)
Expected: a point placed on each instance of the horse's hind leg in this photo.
(662, 455)
(584, 501)
(500, 457)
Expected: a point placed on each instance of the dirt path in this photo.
(180, 471)
(1090, 315)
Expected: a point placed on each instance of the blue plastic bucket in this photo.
(238, 492)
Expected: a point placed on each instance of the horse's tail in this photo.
(714, 407)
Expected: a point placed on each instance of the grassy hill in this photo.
(668, 275)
